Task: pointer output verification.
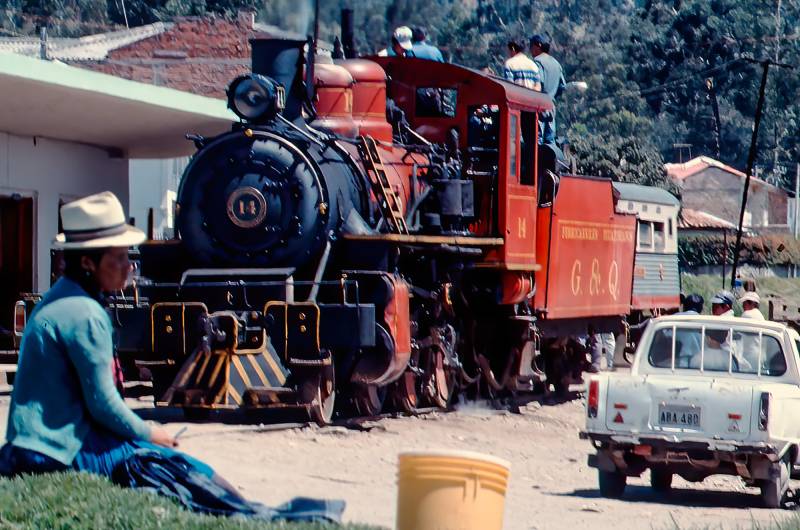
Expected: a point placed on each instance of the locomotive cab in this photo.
(494, 126)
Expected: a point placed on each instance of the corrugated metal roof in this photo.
(88, 48)
(637, 192)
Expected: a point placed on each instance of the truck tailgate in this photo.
(694, 406)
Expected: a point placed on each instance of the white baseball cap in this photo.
(403, 36)
(96, 221)
(750, 296)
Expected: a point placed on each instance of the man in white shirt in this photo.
(520, 69)
(751, 345)
(716, 355)
(750, 302)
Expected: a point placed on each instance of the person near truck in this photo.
(722, 304)
(750, 302)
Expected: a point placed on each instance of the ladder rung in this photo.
(384, 193)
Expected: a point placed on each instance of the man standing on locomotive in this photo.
(401, 44)
(520, 69)
(422, 48)
(553, 84)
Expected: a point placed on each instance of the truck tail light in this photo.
(763, 411)
(594, 398)
(20, 318)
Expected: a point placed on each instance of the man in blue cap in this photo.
(553, 83)
(722, 304)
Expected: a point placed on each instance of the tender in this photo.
(705, 395)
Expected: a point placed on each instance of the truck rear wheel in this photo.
(660, 480)
(612, 483)
(773, 489)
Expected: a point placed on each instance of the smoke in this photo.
(305, 17)
(296, 16)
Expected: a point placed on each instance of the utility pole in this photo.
(778, 32)
(712, 91)
(796, 202)
(751, 157)
(43, 42)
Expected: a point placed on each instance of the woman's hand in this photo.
(160, 436)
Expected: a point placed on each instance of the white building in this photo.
(66, 132)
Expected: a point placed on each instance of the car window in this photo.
(717, 349)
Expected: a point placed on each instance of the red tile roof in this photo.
(702, 220)
(696, 165)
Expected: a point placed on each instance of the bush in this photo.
(83, 501)
(761, 251)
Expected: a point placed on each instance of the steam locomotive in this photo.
(388, 239)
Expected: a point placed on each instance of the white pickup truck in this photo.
(706, 395)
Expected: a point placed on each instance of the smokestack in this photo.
(348, 35)
(282, 60)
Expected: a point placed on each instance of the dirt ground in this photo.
(550, 487)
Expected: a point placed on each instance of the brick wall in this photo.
(197, 54)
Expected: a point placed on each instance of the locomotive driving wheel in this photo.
(439, 380)
(404, 392)
(318, 391)
(369, 399)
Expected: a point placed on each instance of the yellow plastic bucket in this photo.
(451, 490)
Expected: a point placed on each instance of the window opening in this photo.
(433, 102)
(528, 143)
(645, 235)
(658, 237)
(512, 144)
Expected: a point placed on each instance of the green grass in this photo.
(704, 285)
(83, 501)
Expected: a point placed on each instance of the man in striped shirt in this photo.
(520, 69)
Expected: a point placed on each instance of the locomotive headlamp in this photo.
(255, 97)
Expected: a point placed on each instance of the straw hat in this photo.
(750, 296)
(96, 221)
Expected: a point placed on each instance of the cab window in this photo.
(528, 143)
(434, 102)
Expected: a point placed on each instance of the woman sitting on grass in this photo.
(65, 410)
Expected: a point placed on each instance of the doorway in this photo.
(16, 260)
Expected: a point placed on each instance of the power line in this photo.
(657, 89)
